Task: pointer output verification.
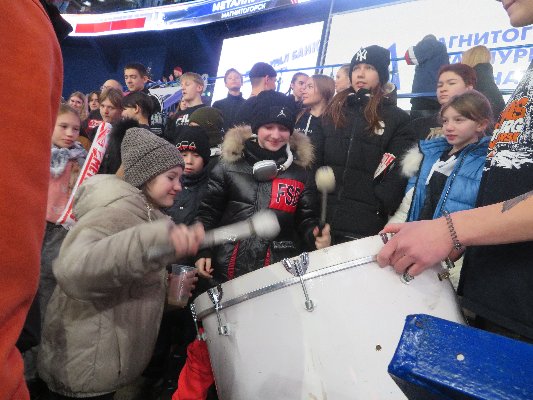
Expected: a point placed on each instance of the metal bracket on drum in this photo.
(215, 294)
(447, 265)
(199, 336)
(298, 267)
(405, 277)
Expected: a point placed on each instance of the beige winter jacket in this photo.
(103, 318)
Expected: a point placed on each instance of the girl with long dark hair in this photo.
(365, 132)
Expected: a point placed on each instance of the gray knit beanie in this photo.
(145, 155)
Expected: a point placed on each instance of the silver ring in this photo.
(406, 277)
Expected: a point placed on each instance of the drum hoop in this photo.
(286, 283)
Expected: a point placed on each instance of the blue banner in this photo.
(219, 10)
(171, 17)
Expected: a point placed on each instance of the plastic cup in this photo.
(182, 279)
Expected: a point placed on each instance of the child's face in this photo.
(109, 112)
(134, 80)
(233, 81)
(273, 136)
(191, 90)
(164, 187)
(193, 162)
(94, 104)
(450, 84)
(364, 76)
(76, 103)
(66, 130)
(311, 95)
(342, 80)
(298, 86)
(459, 130)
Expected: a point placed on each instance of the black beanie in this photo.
(376, 56)
(195, 139)
(273, 107)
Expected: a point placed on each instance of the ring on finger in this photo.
(406, 277)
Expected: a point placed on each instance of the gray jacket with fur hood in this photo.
(234, 194)
(102, 320)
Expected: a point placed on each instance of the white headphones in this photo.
(266, 170)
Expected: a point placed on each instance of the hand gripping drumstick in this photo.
(325, 183)
(263, 224)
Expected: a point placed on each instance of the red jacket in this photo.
(29, 48)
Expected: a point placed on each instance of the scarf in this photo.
(258, 153)
(61, 156)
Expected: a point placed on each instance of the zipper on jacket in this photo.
(352, 134)
(452, 178)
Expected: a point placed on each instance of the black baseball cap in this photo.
(262, 69)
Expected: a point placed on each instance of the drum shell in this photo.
(276, 349)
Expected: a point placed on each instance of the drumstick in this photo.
(263, 224)
(325, 183)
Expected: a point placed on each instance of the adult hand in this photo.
(324, 240)
(416, 246)
(186, 240)
(205, 270)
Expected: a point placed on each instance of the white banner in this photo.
(289, 48)
(459, 24)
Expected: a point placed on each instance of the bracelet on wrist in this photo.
(456, 243)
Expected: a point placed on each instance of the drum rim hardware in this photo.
(199, 335)
(406, 277)
(215, 294)
(281, 284)
(298, 267)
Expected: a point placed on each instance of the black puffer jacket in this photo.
(361, 202)
(234, 195)
(486, 85)
(186, 203)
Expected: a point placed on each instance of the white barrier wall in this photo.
(289, 48)
(460, 24)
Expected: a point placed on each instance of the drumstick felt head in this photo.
(265, 224)
(325, 179)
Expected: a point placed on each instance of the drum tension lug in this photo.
(199, 335)
(215, 294)
(298, 267)
(447, 265)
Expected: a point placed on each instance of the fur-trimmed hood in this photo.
(233, 146)
(410, 163)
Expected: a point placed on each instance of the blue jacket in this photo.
(460, 191)
(428, 55)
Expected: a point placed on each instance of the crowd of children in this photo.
(165, 177)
